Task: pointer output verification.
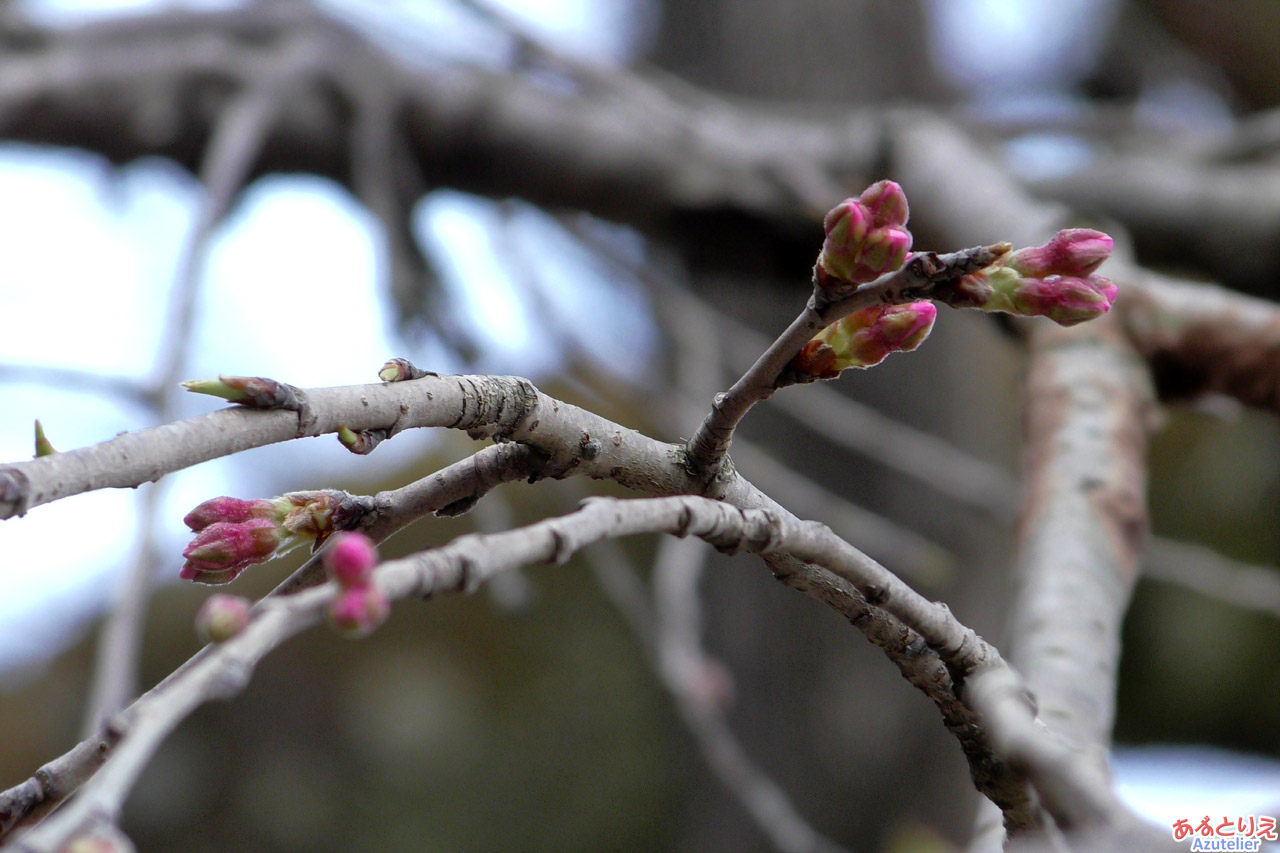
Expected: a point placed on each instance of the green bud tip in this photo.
(43, 447)
(215, 388)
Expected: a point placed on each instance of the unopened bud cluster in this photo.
(1056, 280)
(360, 606)
(864, 339)
(866, 237)
(233, 534)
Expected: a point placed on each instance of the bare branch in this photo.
(1195, 567)
(449, 491)
(222, 671)
(1203, 339)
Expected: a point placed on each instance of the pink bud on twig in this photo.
(1056, 280)
(225, 546)
(228, 509)
(865, 338)
(222, 617)
(866, 237)
(1075, 251)
(358, 611)
(350, 559)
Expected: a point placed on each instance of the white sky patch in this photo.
(55, 563)
(59, 563)
(994, 47)
(462, 233)
(606, 313)
(1044, 156)
(71, 12)
(85, 282)
(291, 282)
(599, 29)
(1169, 783)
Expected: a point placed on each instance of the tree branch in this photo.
(461, 566)
(449, 491)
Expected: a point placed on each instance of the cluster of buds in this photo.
(360, 606)
(1056, 280)
(866, 237)
(233, 534)
(864, 339)
(222, 617)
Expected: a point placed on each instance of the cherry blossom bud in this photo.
(350, 559)
(358, 611)
(885, 250)
(1073, 252)
(401, 369)
(222, 617)
(43, 447)
(866, 236)
(227, 509)
(224, 546)
(233, 534)
(256, 392)
(886, 202)
(865, 338)
(1056, 280)
(1065, 300)
(362, 442)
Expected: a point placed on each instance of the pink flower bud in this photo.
(232, 510)
(222, 617)
(1065, 300)
(886, 202)
(1073, 252)
(224, 546)
(885, 250)
(846, 228)
(350, 559)
(1056, 280)
(865, 338)
(865, 236)
(358, 611)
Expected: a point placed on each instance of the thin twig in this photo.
(1204, 570)
(762, 798)
(915, 280)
